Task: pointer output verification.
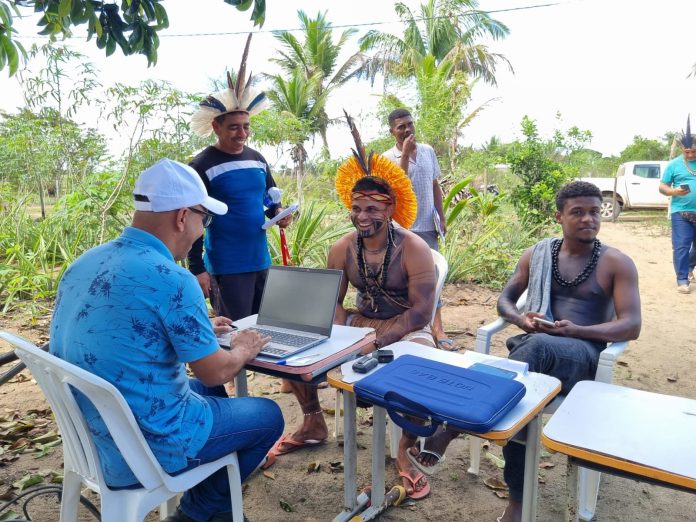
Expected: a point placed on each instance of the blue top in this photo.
(128, 313)
(676, 174)
(234, 243)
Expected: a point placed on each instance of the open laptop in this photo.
(297, 308)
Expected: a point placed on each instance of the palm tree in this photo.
(298, 98)
(316, 57)
(447, 30)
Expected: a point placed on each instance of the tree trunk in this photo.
(41, 200)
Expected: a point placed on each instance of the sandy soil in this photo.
(662, 360)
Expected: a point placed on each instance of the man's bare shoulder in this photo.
(617, 259)
(413, 243)
(339, 248)
(345, 241)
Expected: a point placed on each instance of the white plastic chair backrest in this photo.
(441, 268)
(56, 377)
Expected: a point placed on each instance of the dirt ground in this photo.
(663, 360)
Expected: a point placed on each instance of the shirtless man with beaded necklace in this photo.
(594, 300)
(394, 274)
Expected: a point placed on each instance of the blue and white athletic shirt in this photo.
(234, 243)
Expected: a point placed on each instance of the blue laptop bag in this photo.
(443, 394)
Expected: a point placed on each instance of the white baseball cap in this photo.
(170, 185)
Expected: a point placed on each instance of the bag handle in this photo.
(395, 402)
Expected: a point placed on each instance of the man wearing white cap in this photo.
(127, 312)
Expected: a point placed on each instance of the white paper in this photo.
(283, 214)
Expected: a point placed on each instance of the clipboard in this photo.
(283, 214)
(438, 225)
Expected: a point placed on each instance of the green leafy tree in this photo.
(34, 148)
(446, 30)
(131, 25)
(539, 175)
(645, 149)
(315, 59)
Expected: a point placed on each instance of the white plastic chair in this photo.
(441, 269)
(588, 480)
(56, 377)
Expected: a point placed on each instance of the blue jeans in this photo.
(248, 425)
(569, 360)
(683, 235)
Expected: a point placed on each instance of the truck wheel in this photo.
(607, 209)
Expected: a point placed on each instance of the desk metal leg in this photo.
(352, 503)
(572, 489)
(350, 448)
(379, 428)
(240, 384)
(531, 466)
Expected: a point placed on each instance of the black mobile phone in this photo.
(365, 364)
(686, 187)
(384, 355)
(493, 370)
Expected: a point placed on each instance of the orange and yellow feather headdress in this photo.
(360, 165)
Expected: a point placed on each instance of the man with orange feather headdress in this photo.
(394, 274)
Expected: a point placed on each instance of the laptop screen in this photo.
(300, 298)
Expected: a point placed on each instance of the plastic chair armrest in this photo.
(607, 359)
(486, 332)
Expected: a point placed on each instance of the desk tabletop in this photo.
(630, 430)
(541, 389)
(344, 343)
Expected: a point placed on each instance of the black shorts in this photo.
(236, 296)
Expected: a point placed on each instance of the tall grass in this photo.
(484, 239)
(309, 238)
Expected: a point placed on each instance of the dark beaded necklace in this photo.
(582, 276)
(374, 282)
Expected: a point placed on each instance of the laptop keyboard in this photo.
(287, 339)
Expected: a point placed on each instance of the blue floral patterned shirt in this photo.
(128, 313)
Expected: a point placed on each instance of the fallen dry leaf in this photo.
(495, 483)
(501, 494)
(269, 474)
(313, 466)
(673, 378)
(7, 494)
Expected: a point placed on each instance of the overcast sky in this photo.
(617, 68)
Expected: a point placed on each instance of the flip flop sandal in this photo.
(416, 494)
(292, 445)
(428, 470)
(447, 345)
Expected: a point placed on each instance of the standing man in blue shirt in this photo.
(419, 162)
(127, 312)
(235, 265)
(679, 181)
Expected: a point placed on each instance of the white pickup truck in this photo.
(637, 186)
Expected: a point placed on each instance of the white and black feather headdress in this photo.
(686, 139)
